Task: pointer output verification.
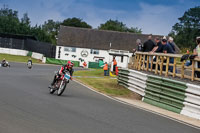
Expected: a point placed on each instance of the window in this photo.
(69, 49)
(93, 51)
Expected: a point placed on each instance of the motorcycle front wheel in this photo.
(62, 88)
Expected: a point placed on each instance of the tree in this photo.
(187, 29)
(134, 30)
(9, 22)
(25, 25)
(75, 22)
(51, 27)
(40, 34)
(115, 25)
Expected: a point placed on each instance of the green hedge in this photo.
(29, 53)
(60, 62)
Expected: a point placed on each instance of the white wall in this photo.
(20, 52)
(119, 54)
(65, 55)
(37, 56)
(13, 51)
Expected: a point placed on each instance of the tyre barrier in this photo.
(162, 92)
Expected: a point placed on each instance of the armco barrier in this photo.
(60, 62)
(133, 80)
(165, 93)
(192, 101)
(169, 94)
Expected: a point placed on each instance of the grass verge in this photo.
(94, 78)
(17, 58)
(91, 72)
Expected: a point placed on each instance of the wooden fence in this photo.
(165, 64)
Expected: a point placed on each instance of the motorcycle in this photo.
(60, 84)
(29, 64)
(6, 64)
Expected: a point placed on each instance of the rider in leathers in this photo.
(3, 63)
(68, 67)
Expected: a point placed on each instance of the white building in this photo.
(82, 44)
(93, 55)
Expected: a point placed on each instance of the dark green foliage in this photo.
(51, 28)
(75, 22)
(188, 28)
(11, 24)
(115, 25)
(40, 34)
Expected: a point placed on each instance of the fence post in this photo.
(167, 67)
(161, 65)
(151, 63)
(182, 69)
(135, 62)
(192, 76)
(143, 65)
(147, 65)
(174, 68)
(140, 62)
(156, 71)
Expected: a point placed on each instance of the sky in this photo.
(152, 16)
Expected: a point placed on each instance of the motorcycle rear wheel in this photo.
(51, 90)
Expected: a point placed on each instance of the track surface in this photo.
(27, 107)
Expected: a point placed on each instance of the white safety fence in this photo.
(21, 53)
(13, 51)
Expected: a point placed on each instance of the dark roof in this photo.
(17, 36)
(98, 39)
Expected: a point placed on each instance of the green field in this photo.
(105, 84)
(17, 58)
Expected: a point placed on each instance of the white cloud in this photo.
(154, 19)
(93, 15)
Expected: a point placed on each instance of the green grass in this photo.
(91, 72)
(17, 58)
(104, 84)
(107, 86)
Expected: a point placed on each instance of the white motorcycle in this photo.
(5, 64)
(29, 64)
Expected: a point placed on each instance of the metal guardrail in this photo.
(134, 81)
(173, 95)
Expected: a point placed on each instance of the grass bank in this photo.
(105, 84)
(17, 58)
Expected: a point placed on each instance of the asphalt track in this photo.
(27, 107)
